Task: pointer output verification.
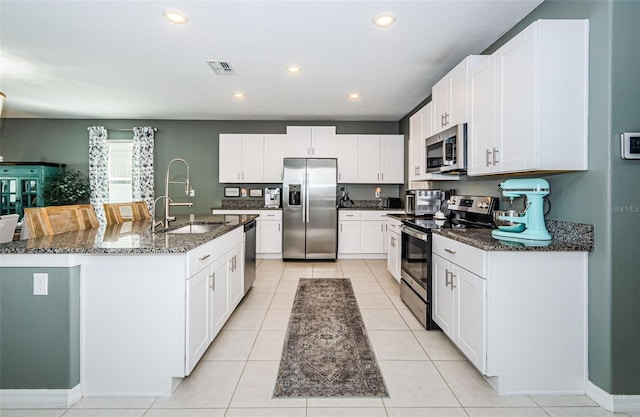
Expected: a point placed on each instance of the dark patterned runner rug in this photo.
(326, 351)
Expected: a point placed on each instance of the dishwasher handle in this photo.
(250, 225)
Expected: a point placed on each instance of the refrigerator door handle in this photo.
(306, 198)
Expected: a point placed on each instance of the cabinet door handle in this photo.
(382, 228)
(202, 258)
(235, 263)
(486, 157)
(238, 175)
(340, 227)
(446, 118)
(382, 176)
(243, 175)
(278, 227)
(213, 281)
(449, 250)
(448, 282)
(495, 152)
(442, 120)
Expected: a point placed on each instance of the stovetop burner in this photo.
(464, 212)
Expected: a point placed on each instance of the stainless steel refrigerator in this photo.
(309, 209)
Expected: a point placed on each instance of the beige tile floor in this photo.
(426, 375)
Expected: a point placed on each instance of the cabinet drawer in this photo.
(373, 215)
(22, 171)
(270, 215)
(199, 258)
(470, 258)
(393, 225)
(349, 215)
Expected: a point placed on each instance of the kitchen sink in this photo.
(195, 228)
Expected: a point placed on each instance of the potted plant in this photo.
(67, 187)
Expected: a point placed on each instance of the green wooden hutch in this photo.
(22, 183)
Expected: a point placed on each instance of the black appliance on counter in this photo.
(416, 283)
(392, 202)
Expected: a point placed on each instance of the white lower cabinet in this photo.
(362, 233)
(268, 231)
(212, 292)
(394, 247)
(459, 309)
(220, 306)
(519, 316)
(199, 334)
(349, 232)
(269, 234)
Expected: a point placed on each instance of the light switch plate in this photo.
(40, 283)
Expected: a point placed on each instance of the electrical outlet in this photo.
(40, 284)
(192, 192)
(377, 194)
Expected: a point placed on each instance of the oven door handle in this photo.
(413, 233)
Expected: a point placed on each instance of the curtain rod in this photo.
(129, 130)
(155, 129)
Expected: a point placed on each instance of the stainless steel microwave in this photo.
(446, 152)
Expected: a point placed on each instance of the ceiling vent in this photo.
(222, 67)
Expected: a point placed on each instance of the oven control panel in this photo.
(472, 204)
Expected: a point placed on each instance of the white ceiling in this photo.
(121, 59)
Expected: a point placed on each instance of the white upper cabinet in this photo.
(529, 102)
(274, 151)
(311, 142)
(348, 159)
(392, 159)
(371, 159)
(381, 159)
(449, 95)
(419, 130)
(241, 158)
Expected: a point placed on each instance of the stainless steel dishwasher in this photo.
(249, 255)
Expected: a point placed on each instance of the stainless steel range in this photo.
(416, 285)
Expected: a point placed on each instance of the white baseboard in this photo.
(39, 398)
(613, 403)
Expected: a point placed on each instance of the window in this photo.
(120, 171)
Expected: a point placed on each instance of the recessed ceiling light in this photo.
(238, 94)
(354, 96)
(175, 16)
(384, 19)
(294, 69)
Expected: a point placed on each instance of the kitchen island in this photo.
(123, 311)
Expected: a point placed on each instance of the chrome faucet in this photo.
(155, 223)
(168, 201)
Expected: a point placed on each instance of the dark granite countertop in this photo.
(128, 238)
(482, 239)
(370, 208)
(567, 237)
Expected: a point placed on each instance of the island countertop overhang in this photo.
(129, 238)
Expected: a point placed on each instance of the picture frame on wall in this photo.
(255, 192)
(232, 191)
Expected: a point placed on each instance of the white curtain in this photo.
(142, 169)
(99, 169)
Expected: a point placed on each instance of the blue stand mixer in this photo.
(528, 224)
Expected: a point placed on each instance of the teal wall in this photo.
(196, 141)
(607, 195)
(39, 335)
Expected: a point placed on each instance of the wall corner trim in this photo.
(613, 403)
(29, 398)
